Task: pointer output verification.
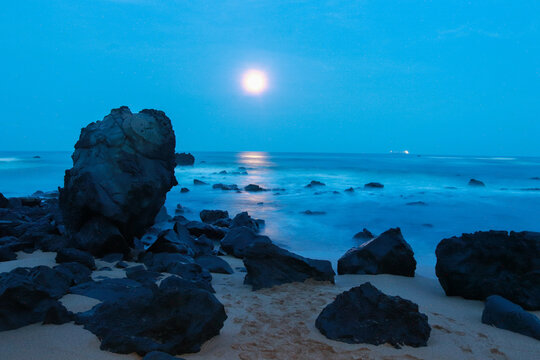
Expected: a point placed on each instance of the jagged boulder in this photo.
(388, 253)
(123, 167)
(211, 216)
(364, 314)
(175, 318)
(238, 239)
(268, 265)
(486, 263)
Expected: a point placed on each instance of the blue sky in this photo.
(453, 77)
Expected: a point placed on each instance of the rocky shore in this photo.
(102, 264)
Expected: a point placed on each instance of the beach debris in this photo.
(486, 263)
(123, 167)
(184, 159)
(269, 265)
(504, 314)
(364, 314)
(388, 253)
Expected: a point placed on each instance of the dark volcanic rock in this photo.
(239, 238)
(315, 183)
(100, 237)
(184, 159)
(486, 263)
(4, 203)
(269, 265)
(504, 314)
(197, 228)
(388, 253)
(27, 295)
(474, 182)
(364, 235)
(123, 167)
(67, 255)
(366, 315)
(199, 182)
(310, 212)
(177, 240)
(254, 188)
(211, 216)
(243, 219)
(214, 264)
(174, 319)
(373, 185)
(110, 289)
(225, 187)
(77, 272)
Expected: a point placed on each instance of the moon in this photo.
(254, 82)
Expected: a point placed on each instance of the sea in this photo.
(427, 196)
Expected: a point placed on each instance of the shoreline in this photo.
(279, 323)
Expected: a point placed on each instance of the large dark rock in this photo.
(365, 315)
(243, 219)
(177, 240)
(67, 255)
(4, 202)
(197, 228)
(504, 314)
(6, 254)
(388, 253)
(183, 159)
(27, 296)
(211, 216)
(486, 263)
(123, 167)
(179, 265)
(238, 239)
(269, 265)
(174, 319)
(77, 272)
(110, 289)
(214, 264)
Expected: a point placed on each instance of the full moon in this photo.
(254, 82)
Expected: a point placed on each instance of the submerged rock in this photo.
(123, 167)
(254, 188)
(366, 315)
(388, 253)
(486, 263)
(238, 239)
(373, 185)
(474, 182)
(269, 265)
(504, 314)
(183, 159)
(173, 319)
(310, 212)
(226, 187)
(315, 183)
(199, 182)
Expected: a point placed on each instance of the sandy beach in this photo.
(278, 323)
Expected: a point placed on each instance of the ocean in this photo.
(428, 197)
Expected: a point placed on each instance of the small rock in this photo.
(184, 190)
(214, 264)
(309, 212)
(315, 183)
(73, 255)
(211, 216)
(349, 189)
(199, 182)
(365, 234)
(474, 182)
(254, 188)
(226, 187)
(416, 203)
(373, 185)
